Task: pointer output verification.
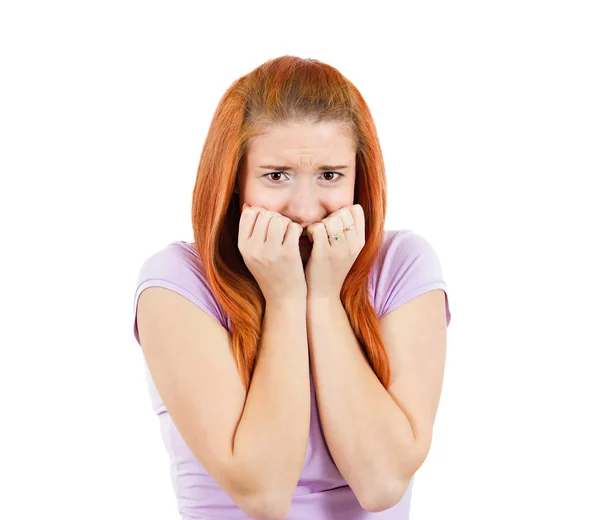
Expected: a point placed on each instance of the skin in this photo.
(304, 194)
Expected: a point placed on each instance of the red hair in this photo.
(284, 89)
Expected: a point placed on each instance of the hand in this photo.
(330, 259)
(269, 244)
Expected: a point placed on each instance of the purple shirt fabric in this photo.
(407, 266)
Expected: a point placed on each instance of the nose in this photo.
(304, 207)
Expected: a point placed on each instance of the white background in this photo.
(489, 118)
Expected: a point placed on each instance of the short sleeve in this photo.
(176, 267)
(409, 267)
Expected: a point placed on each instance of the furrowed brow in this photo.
(324, 167)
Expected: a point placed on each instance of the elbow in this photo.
(385, 497)
(272, 507)
(275, 500)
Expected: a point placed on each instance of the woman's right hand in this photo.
(269, 244)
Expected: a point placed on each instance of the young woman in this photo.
(295, 350)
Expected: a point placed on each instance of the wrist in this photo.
(316, 297)
(292, 304)
(322, 301)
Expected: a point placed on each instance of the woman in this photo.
(295, 350)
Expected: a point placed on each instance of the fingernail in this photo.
(245, 205)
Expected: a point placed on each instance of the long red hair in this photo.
(281, 90)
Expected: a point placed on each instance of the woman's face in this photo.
(304, 171)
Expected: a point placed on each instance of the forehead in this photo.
(313, 138)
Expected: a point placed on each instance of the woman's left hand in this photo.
(330, 259)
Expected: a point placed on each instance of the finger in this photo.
(261, 227)
(319, 235)
(276, 230)
(247, 221)
(347, 217)
(335, 225)
(292, 235)
(358, 215)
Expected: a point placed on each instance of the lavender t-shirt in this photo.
(407, 267)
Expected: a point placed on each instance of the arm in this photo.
(195, 372)
(369, 437)
(272, 435)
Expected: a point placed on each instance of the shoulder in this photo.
(177, 267)
(174, 255)
(401, 240)
(177, 264)
(399, 248)
(407, 265)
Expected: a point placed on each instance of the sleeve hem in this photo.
(174, 287)
(429, 286)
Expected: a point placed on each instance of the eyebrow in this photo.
(324, 167)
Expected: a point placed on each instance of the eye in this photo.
(329, 180)
(339, 175)
(274, 173)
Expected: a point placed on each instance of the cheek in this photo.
(254, 194)
(339, 201)
(264, 200)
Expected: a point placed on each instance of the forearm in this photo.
(368, 435)
(272, 435)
